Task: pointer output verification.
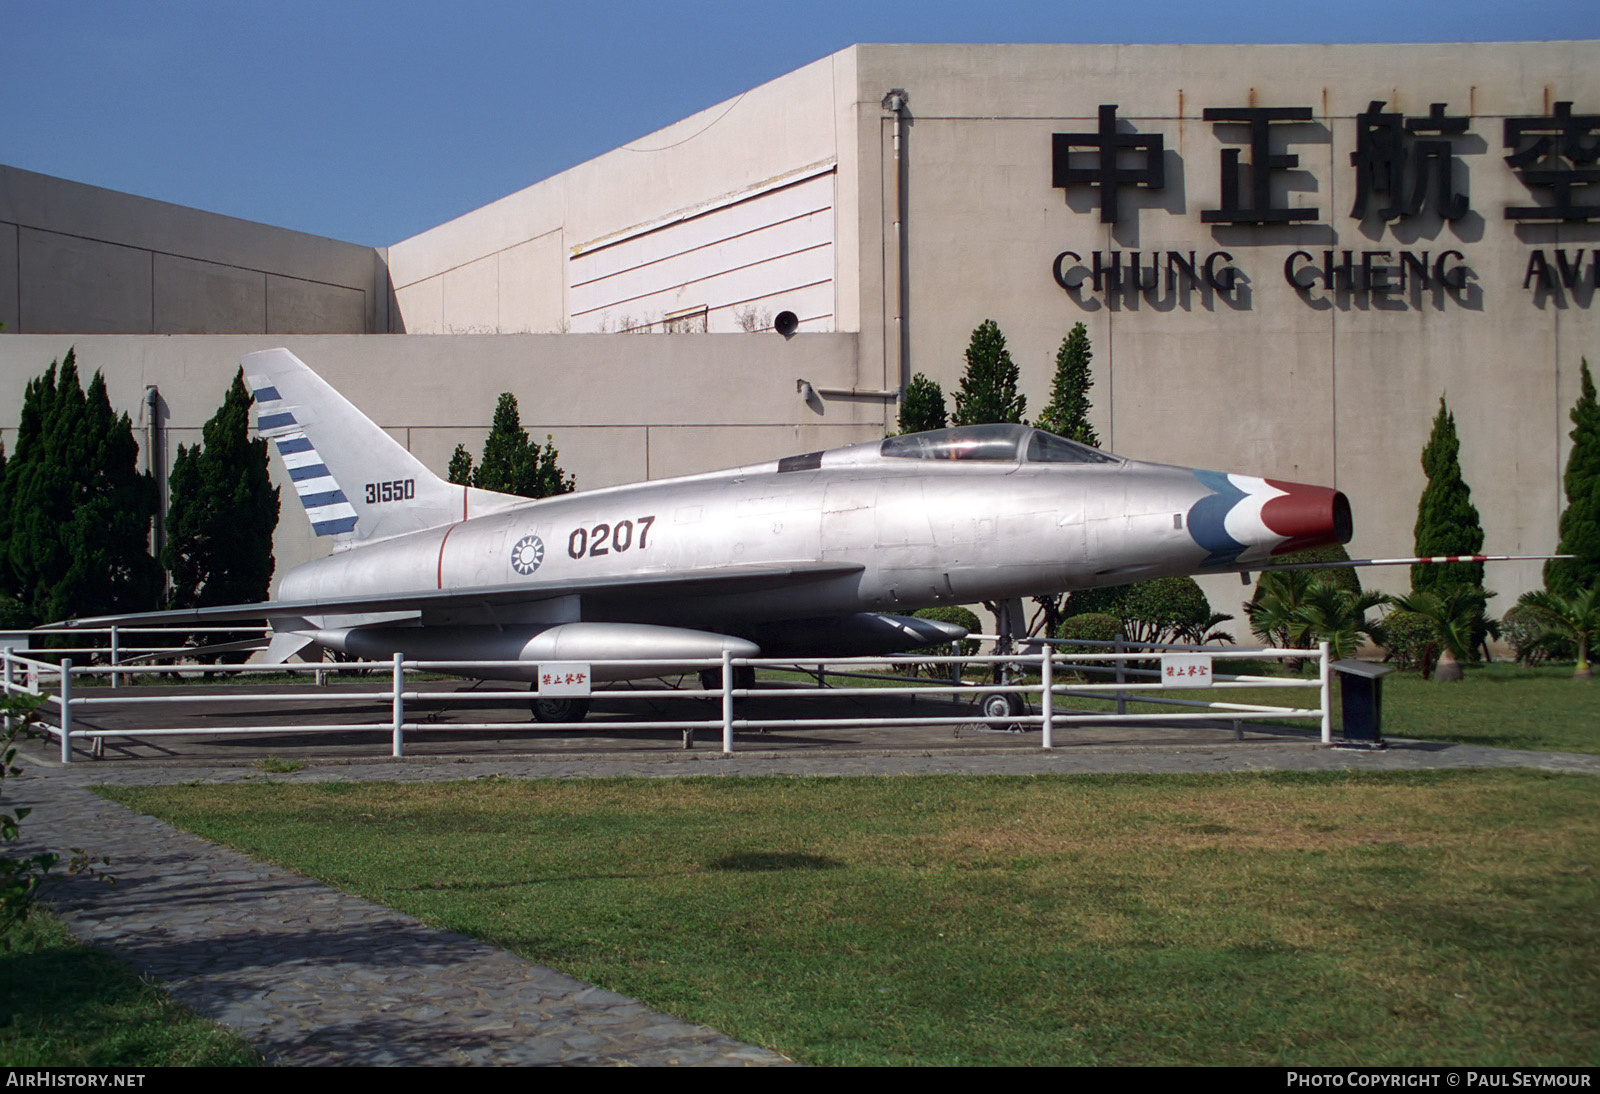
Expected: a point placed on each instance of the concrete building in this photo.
(1285, 256)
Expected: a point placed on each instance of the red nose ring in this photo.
(1309, 516)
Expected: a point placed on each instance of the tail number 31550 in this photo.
(396, 490)
(602, 539)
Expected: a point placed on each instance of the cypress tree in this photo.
(1580, 522)
(223, 511)
(504, 450)
(511, 464)
(548, 478)
(13, 616)
(988, 391)
(79, 509)
(1067, 415)
(922, 407)
(36, 500)
(1447, 521)
(461, 466)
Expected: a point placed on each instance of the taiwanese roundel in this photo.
(527, 554)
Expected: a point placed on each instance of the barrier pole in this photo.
(115, 659)
(399, 746)
(727, 701)
(1122, 676)
(1047, 681)
(66, 710)
(1326, 672)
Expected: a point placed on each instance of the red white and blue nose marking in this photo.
(1247, 516)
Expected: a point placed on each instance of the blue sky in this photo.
(370, 121)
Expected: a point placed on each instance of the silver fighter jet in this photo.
(793, 557)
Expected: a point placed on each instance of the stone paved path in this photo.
(315, 976)
(311, 975)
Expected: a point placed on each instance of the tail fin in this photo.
(354, 480)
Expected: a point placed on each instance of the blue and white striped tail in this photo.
(344, 467)
(324, 500)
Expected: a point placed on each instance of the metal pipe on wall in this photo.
(895, 102)
(156, 465)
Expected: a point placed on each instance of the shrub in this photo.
(961, 617)
(1106, 601)
(1341, 577)
(1412, 640)
(1091, 627)
(922, 406)
(1528, 630)
(1067, 414)
(1167, 609)
(988, 391)
(949, 613)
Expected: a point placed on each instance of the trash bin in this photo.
(1361, 699)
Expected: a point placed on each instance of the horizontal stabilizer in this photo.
(242, 646)
(284, 645)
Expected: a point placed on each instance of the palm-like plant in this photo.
(1576, 617)
(1459, 616)
(1274, 614)
(1338, 617)
(1296, 609)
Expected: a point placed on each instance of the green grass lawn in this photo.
(67, 1005)
(1421, 918)
(1500, 705)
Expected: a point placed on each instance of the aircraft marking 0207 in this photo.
(604, 538)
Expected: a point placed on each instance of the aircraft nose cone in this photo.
(1307, 516)
(1243, 518)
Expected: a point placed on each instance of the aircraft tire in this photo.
(559, 710)
(744, 678)
(1002, 705)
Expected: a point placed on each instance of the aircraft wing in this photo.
(719, 580)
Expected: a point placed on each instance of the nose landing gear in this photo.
(557, 710)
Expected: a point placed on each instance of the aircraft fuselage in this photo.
(911, 530)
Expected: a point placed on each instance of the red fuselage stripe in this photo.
(442, 542)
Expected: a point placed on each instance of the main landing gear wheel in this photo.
(744, 678)
(1002, 705)
(557, 710)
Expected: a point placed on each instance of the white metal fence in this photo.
(1043, 677)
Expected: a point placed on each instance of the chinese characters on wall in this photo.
(1404, 167)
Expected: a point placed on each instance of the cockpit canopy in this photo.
(998, 442)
